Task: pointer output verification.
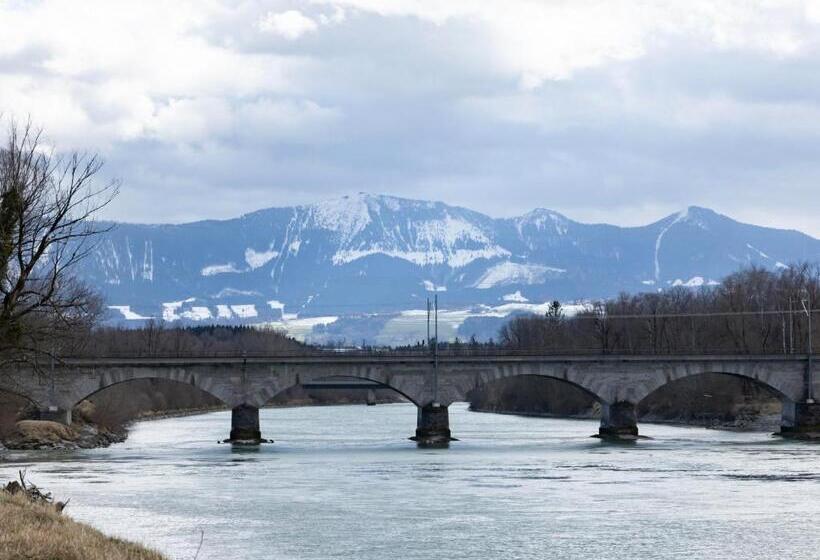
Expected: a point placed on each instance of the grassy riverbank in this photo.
(37, 531)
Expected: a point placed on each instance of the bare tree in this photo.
(47, 205)
(753, 310)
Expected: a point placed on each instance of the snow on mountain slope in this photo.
(509, 273)
(366, 254)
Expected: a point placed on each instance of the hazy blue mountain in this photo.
(364, 254)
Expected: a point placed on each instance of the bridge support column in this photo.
(800, 420)
(245, 425)
(433, 426)
(55, 414)
(618, 421)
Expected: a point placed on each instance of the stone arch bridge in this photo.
(618, 382)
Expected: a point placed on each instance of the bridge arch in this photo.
(459, 386)
(710, 396)
(269, 392)
(488, 382)
(784, 387)
(109, 379)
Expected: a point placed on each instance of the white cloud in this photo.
(95, 73)
(603, 109)
(543, 41)
(291, 24)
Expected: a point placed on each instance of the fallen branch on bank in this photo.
(33, 493)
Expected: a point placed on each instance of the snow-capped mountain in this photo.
(365, 254)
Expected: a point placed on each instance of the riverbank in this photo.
(37, 531)
(84, 433)
(87, 433)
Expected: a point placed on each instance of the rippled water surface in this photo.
(344, 482)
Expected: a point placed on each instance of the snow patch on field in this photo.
(411, 325)
(244, 311)
(223, 312)
(515, 297)
(196, 313)
(431, 287)
(127, 314)
(277, 305)
(506, 273)
(169, 309)
(299, 328)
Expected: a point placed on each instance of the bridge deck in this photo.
(426, 359)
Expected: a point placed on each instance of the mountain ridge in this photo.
(386, 254)
(548, 211)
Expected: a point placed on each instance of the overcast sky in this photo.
(603, 110)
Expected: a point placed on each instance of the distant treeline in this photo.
(155, 339)
(751, 311)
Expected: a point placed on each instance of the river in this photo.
(344, 482)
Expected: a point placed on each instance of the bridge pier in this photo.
(245, 425)
(433, 426)
(800, 420)
(55, 414)
(618, 421)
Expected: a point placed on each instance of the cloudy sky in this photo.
(617, 111)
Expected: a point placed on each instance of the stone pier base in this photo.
(619, 421)
(55, 414)
(245, 426)
(433, 427)
(800, 420)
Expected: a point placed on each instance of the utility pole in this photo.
(435, 354)
(791, 327)
(806, 301)
(428, 323)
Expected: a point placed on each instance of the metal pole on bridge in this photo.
(809, 373)
(435, 354)
(428, 323)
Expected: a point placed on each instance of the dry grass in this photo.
(34, 531)
(45, 431)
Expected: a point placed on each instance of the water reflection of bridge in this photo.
(618, 382)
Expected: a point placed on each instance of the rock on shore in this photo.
(82, 434)
(42, 434)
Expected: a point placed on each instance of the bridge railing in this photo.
(424, 352)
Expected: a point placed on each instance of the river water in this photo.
(344, 482)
